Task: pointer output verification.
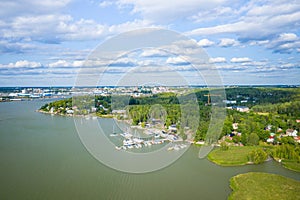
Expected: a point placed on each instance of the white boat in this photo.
(147, 143)
(127, 142)
(183, 146)
(170, 148)
(118, 148)
(176, 148)
(137, 140)
(126, 135)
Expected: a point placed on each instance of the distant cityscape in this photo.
(30, 93)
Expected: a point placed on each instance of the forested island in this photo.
(265, 118)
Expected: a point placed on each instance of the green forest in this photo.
(272, 112)
(277, 108)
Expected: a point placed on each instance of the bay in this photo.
(42, 157)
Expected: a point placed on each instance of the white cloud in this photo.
(11, 9)
(104, 4)
(55, 28)
(217, 60)
(288, 37)
(21, 64)
(19, 47)
(285, 43)
(168, 10)
(60, 63)
(130, 25)
(228, 42)
(240, 60)
(176, 61)
(205, 43)
(256, 21)
(231, 67)
(27, 64)
(153, 53)
(218, 12)
(254, 63)
(78, 64)
(259, 42)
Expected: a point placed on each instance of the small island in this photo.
(256, 185)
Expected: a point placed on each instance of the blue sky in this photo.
(250, 42)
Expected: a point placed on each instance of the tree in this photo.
(288, 140)
(227, 127)
(224, 146)
(244, 139)
(257, 156)
(263, 135)
(253, 139)
(236, 139)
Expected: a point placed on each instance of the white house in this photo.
(291, 132)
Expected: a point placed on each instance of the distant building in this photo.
(271, 138)
(229, 101)
(235, 126)
(297, 139)
(240, 108)
(291, 132)
(269, 127)
(70, 111)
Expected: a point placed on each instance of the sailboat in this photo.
(113, 134)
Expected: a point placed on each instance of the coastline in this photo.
(267, 185)
(234, 156)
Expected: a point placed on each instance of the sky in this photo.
(47, 43)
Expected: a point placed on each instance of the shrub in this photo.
(257, 156)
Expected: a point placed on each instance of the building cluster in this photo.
(273, 137)
(18, 94)
(281, 134)
(124, 90)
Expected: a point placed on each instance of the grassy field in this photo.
(231, 157)
(256, 185)
(292, 165)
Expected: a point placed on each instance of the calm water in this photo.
(42, 158)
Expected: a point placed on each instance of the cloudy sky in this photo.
(46, 43)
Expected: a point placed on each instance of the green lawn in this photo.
(231, 157)
(292, 165)
(256, 185)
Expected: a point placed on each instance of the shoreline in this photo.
(128, 122)
(226, 158)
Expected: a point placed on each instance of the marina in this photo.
(150, 137)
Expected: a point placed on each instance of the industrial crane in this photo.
(211, 95)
